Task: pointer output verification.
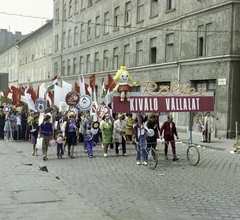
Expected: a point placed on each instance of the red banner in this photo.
(140, 104)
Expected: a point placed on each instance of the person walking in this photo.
(70, 132)
(46, 132)
(2, 123)
(208, 126)
(59, 141)
(119, 128)
(152, 139)
(107, 131)
(90, 143)
(169, 130)
(86, 125)
(34, 135)
(129, 127)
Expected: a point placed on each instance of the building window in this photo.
(50, 46)
(139, 53)
(65, 12)
(105, 59)
(140, 11)
(90, 2)
(74, 66)
(75, 36)
(57, 16)
(97, 26)
(68, 67)
(200, 40)
(69, 38)
(81, 63)
(116, 18)
(126, 55)
(170, 5)
(88, 64)
(76, 7)
(115, 58)
(63, 68)
(82, 4)
(64, 40)
(154, 8)
(56, 43)
(70, 9)
(82, 33)
(89, 30)
(40, 52)
(106, 23)
(153, 50)
(169, 47)
(44, 48)
(97, 62)
(209, 39)
(128, 14)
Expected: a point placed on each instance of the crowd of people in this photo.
(65, 131)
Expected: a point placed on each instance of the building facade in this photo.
(35, 57)
(161, 41)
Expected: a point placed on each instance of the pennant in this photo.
(42, 91)
(32, 93)
(58, 95)
(52, 83)
(111, 83)
(92, 81)
(76, 87)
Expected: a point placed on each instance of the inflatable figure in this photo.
(123, 81)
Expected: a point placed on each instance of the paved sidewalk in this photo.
(28, 193)
(215, 144)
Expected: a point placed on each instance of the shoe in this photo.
(166, 158)
(175, 159)
(72, 157)
(61, 156)
(125, 155)
(145, 163)
(69, 154)
(58, 157)
(32, 153)
(138, 163)
(156, 149)
(85, 151)
(90, 156)
(36, 154)
(105, 155)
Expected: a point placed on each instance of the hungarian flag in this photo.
(51, 84)
(111, 83)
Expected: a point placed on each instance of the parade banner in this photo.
(174, 99)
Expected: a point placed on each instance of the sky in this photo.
(29, 8)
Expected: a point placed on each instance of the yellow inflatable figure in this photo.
(124, 79)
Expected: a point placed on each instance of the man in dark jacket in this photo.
(2, 123)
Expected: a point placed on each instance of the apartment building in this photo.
(35, 57)
(195, 42)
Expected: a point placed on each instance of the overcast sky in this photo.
(32, 8)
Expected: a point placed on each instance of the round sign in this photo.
(150, 133)
(85, 102)
(72, 98)
(103, 110)
(40, 105)
(6, 108)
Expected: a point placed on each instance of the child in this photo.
(34, 133)
(90, 143)
(59, 141)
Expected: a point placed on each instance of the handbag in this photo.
(39, 143)
(33, 131)
(52, 143)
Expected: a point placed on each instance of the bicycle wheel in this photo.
(193, 155)
(152, 158)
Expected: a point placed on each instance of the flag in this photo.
(103, 89)
(32, 93)
(76, 87)
(28, 99)
(49, 98)
(52, 83)
(16, 96)
(42, 91)
(111, 83)
(58, 95)
(82, 86)
(67, 87)
(92, 81)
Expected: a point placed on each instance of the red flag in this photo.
(86, 90)
(50, 95)
(16, 98)
(32, 93)
(111, 83)
(92, 81)
(38, 92)
(76, 87)
(5, 94)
